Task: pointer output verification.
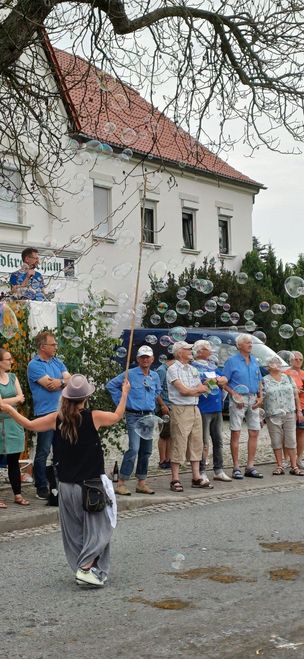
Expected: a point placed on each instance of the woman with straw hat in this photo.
(78, 456)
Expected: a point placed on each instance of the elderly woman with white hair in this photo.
(281, 404)
(295, 371)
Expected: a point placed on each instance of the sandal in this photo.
(237, 475)
(278, 471)
(295, 471)
(2, 504)
(202, 483)
(253, 473)
(21, 501)
(176, 486)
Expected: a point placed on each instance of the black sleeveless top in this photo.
(83, 459)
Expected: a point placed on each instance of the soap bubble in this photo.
(225, 317)
(292, 285)
(151, 338)
(210, 306)
(76, 341)
(286, 331)
(241, 278)
(166, 418)
(99, 270)
(162, 359)
(260, 335)
(264, 306)
(178, 562)
(149, 426)
(224, 296)
(121, 352)
(8, 321)
(160, 286)
(259, 275)
(165, 341)
(158, 269)
(241, 390)
(204, 286)
(300, 331)
(281, 309)
(76, 314)
(125, 238)
(155, 319)
(226, 306)
(122, 270)
(285, 355)
(92, 144)
(278, 418)
(122, 298)
(109, 127)
(170, 316)
(274, 323)
(193, 283)
(178, 333)
(198, 313)
(250, 326)
(182, 307)
(248, 314)
(275, 309)
(128, 136)
(235, 317)
(297, 322)
(68, 332)
(215, 341)
(127, 153)
(77, 241)
(181, 293)
(105, 150)
(162, 307)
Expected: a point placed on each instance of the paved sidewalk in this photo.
(38, 513)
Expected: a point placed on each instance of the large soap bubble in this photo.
(259, 275)
(248, 314)
(242, 278)
(68, 332)
(286, 331)
(178, 333)
(149, 426)
(121, 352)
(155, 319)
(300, 331)
(181, 293)
(182, 307)
(210, 306)
(260, 335)
(151, 338)
(234, 317)
(286, 355)
(162, 307)
(160, 286)
(225, 317)
(122, 270)
(158, 269)
(170, 316)
(293, 286)
(250, 326)
(8, 321)
(264, 306)
(165, 341)
(204, 286)
(297, 322)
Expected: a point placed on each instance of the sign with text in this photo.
(11, 261)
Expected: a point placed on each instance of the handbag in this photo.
(94, 497)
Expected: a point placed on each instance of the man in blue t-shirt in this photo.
(210, 406)
(47, 375)
(27, 283)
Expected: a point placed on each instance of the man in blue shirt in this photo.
(243, 372)
(47, 375)
(27, 283)
(210, 406)
(145, 391)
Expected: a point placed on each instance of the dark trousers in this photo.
(14, 474)
(212, 427)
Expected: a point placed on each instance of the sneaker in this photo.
(221, 476)
(90, 578)
(42, 493)
(123, 490)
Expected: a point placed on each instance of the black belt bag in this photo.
(94, 497)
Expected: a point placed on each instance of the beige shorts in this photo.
(186, 433)
(284, 434)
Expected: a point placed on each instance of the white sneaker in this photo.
(90, 578)
(204, 477)
(221, 476)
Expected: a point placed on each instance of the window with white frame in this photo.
(102, 210)
(9, 196)
(224, 234)
(149, 223)
(188, 220)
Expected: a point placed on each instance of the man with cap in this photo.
(210, 407)
(145, 391)
(184, 388)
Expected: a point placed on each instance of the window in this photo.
(188, 229)
(9, 194)
(224, 246)
(149, 228)
(101, 210)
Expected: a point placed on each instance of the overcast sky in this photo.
(278, 211)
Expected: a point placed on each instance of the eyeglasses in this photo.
(7, 359)
(52, 345)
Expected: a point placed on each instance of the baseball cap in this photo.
(145, 351)
(181, 344)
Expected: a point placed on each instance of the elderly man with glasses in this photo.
(47, 375)
(144, 393)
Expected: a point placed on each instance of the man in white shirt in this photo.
(184, 388)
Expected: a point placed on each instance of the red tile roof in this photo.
(116, 114)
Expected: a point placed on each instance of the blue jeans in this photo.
(44, 443)
(138, 448)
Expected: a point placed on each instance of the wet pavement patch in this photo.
(283, 574)
(285, 546)
(168, 604)
(222, 574)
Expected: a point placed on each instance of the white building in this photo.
(196, 205)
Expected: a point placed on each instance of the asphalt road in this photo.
(231, 596)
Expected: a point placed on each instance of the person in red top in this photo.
(295, 371)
